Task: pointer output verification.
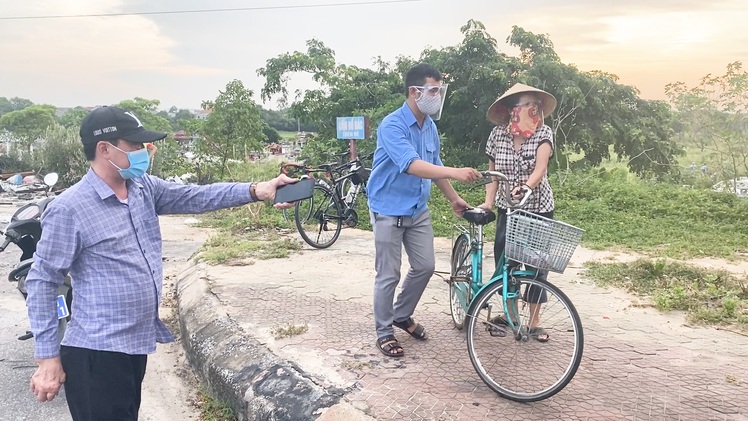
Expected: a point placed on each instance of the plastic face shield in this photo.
(434, 90)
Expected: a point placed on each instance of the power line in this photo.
(237, 9)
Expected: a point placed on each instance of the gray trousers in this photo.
(417, 235)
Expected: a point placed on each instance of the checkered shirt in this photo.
(519, 165)
(112, 251)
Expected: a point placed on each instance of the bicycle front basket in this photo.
(540, 242)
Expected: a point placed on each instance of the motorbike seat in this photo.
(21, 269)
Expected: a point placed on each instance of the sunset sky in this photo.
(183, 59)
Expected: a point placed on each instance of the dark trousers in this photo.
(532, 295)
(102, 385)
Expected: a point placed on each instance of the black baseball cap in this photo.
(108, 123)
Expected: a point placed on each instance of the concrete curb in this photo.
(240, 370)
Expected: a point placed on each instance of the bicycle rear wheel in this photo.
(460, 292)
(319, 218)
(514, 363)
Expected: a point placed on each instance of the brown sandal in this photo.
(389, 346)
(539, 334)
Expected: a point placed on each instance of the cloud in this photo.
(183, 59)
(82, 53)
(647, 43)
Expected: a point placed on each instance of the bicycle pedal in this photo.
(456, 279)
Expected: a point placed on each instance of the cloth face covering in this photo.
(525, 120)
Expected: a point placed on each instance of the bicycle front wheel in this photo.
(520, 363)
(460, 291)
(319, 218)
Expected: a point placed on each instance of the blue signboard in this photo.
(353, 128)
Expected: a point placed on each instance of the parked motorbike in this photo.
(25, 230)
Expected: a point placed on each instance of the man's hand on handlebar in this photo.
(466, 175)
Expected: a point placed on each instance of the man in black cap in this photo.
(104, 232)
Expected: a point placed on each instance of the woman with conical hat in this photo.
(520, 146)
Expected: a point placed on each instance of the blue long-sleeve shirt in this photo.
(112, 251)
(400, 141)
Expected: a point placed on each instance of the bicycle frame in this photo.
(502, 270)
(510, 293)
(330, 171)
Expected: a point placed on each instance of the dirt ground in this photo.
(170, 388)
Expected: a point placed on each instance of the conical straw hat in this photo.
(499, 114)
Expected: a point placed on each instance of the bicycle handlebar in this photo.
(326, 168)
(508, 189)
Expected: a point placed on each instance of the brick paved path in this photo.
(639, 364)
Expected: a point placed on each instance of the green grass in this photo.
(618, 210)
(289, 330)
(223, 248)
(212, 409)
(249, 231)
(708, 296)
(287, 135)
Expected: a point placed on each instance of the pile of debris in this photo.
(23, 185)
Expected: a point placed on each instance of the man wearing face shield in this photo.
(406, 161)
(104, 232)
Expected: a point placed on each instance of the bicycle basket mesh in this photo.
(540, 242)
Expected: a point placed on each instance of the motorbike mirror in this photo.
(51, 179)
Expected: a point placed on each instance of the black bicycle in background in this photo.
(332, 206)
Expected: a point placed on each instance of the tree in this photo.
(595, 112)
(477, 74)
(231, 131)
(72, 118)
(178, 122)
(281, 120)
(13, 104)
(713, 116)
(62, 152)
(5, 106)
(29, 124)
(343, 91)
(19, 104)
(10, 163)
(146, 110)
(271, 135)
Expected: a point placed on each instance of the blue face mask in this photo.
(139, 163)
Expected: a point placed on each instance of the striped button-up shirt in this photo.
(112, 251)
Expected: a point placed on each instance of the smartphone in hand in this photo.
(290, 193)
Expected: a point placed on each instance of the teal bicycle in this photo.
(524, 336)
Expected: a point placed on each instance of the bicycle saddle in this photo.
(479, 216)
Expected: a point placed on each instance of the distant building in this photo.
(185, 140)
(201, 114)
(274, 149)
